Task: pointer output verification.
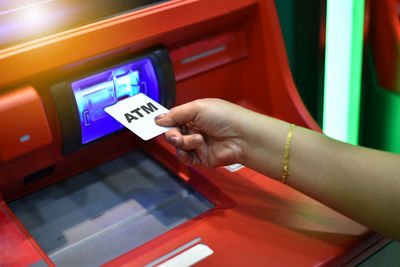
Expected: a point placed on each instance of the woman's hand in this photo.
(209, 132)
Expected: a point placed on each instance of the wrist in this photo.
(264, 145)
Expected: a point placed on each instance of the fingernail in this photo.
(174, 140)
(159, 117)
(198, 138)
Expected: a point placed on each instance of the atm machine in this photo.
(77, 189)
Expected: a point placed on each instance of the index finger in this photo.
(179, 115)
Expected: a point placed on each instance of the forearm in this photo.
(358, 182)
(361, 183)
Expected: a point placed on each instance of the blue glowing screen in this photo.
(94, 93)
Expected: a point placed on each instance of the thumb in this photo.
(179, 115)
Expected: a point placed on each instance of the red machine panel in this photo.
(17, 248)
(23, 123)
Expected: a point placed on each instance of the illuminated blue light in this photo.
(94, 93)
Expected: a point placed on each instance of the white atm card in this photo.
(137, 113)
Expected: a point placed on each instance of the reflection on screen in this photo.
(23, 20)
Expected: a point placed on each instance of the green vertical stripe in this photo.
(343, 68)
(356, 71)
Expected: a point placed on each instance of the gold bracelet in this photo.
(285, 171)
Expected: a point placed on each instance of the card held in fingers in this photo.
(137, 113)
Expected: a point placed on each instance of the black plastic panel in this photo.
(67, 108)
